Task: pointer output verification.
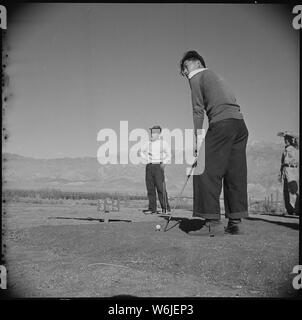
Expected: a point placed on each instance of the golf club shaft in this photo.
(164, 194)
(185, 184)
(164, 190)
(180, 194)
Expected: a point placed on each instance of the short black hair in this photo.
(156, 127)
(190, 55)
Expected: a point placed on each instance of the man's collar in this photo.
(192, 73)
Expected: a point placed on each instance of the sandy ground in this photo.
(65, 251)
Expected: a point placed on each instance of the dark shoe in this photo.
(234, 228)
(210, 228)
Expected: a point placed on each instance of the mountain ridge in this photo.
(86, 174)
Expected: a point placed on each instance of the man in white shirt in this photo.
(156, 153)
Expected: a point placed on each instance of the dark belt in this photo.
(290, 166)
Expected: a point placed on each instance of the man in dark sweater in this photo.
(225, 148)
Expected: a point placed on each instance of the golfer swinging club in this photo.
(225, 148)
(157, 154)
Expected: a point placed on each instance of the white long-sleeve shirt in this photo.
(156, 152)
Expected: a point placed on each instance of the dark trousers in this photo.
(290, 187)
(225, 162)
(155, 181)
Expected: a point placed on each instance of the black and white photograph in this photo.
(150, 150)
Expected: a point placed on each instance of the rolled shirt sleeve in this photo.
(167, 153)
(144, 152)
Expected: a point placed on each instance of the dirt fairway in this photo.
(65, 251)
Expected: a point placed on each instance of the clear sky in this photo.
(78, 68)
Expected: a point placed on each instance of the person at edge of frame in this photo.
(157, 154)
(225, 149)
(289, 172)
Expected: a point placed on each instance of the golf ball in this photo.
(158, 227)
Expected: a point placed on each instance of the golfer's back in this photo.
(215, 96)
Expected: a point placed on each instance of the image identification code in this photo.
(156, 309)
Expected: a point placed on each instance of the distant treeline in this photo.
(71, 195)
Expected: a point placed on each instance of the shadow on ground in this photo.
(91, 219)
(185, 224)
(294, 226)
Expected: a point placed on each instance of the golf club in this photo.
(164, 192)
(180, 194)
